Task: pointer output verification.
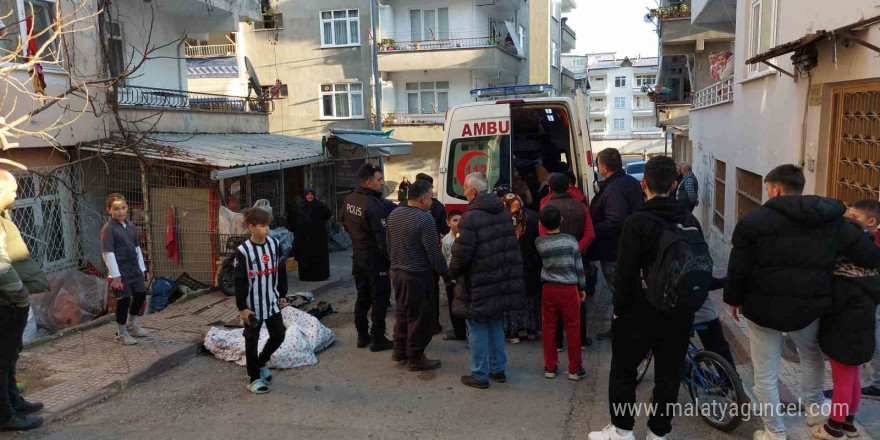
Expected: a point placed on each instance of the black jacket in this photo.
(846, 332)
(638, 249)
(619, 196)
(365, 213)
(782, 260)
(486, 261)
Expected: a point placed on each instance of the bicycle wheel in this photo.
(716, 391)
(644, 366)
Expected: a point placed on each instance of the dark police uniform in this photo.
(365, 213)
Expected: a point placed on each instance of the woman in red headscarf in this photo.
(525, 225)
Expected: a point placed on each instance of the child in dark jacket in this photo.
(846, 336)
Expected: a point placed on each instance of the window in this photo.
(720, 188)
(427, 97)
(270, 22)
(762, 34)
(340, 28)
(554, 54)
(645, 80)
(522, 39)
(275, 91)
(556, 9)
(619, 102)
(619, 124)
(429, 24)
(116, 58)
(342, 101)
(749, 192)
(641, 103)
(44, 214)
(44, 15)
(619, 81)
(487, 154)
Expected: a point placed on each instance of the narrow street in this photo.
(352, 393)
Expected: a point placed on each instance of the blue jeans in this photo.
(486, 338)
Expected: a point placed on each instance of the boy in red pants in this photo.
(564, 285)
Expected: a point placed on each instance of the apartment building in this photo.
(803, 88)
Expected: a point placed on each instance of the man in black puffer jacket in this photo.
(487, 263)
(779, 274)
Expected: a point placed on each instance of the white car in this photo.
(636, 169)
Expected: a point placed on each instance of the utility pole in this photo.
(377, 85)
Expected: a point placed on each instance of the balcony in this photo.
(672, 12)
(645, 110)
(598, 110)
(204, 16)
(665, 99)
(181, 111)
(716, 94)
(598, 90)
(211, 51)
(714, 14)
(487, 53)
(414, 119)
(568, 38)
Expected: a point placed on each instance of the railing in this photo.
(598, 109)
(644, 108)
(568, 30)
(211, 51)
(718, 93)
(149, 97)
(413, 118)
(632, 135)
(446, 43)
(673, 98)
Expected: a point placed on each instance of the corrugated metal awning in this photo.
(233, 154)
(364, 144)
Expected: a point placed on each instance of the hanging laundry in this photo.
(37, 71)
(171, 248)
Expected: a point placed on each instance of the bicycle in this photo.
(713, 386)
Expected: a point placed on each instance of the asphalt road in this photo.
(354, 394)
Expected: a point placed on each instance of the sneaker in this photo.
(611, 433)
(768, 435)
(814, 414)
(871, 392)
(513, 340)
(258, 387)
(380, 344)
(125, 339)
(137, 331)
(849, 428)
(21, 422)
(652, 436)
(24, 407)
(550, 374)
(364, 341)
(586, 343)
(266, 374)
(498, 377)
(825, 432)
(578, 375)
(604, 336)
(472, 381)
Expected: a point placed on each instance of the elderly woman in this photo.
(525, 225)
(308, 222)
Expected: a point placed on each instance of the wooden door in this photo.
(854, 159)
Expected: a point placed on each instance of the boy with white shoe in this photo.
(640, 322)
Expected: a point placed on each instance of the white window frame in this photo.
(332, 93)
(426, 34)
(554, 54)
(622, 124)
(19, 16)
(755, 31)
(620, 103)
(641, 103)
(641, 77)
(418, 92)
(523, 38)
(555, 9)
(619, 82)
(332, 21)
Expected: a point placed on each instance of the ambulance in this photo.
(516, 136)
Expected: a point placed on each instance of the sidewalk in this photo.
(74, 371)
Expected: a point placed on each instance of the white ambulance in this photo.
(519, 138)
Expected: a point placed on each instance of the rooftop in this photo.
(635, 62)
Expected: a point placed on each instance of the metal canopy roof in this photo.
(349, 144)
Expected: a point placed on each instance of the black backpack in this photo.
(681, 275)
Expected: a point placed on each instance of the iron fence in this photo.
(414, 118)
(447, 43)
(150, 97)
(719, 93)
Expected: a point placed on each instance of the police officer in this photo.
(365, 220)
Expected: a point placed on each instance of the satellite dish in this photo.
(648, 18)
(253, 81)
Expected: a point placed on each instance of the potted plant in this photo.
(386, 44)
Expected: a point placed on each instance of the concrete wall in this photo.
(425, 158)
(294, 55)
(539, 42)
(762, 127)
(460, 84)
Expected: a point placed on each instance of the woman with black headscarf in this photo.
(308, 222)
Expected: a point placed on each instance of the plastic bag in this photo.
(284, 237)
(339, 240)
(74, 298)
(264, 205)
(230, 222)
(30, 331)
(161, 291)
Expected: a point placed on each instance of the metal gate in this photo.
(855, 143)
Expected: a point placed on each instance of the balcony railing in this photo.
(149, 97)
(672, 98)
(413, 118)
(446, 43)
(569, 30)
(598, 109)
(718, 93)
(211, 51)
(672, 12)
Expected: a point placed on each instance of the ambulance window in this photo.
(487, 154)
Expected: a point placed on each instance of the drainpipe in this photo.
(561, 31)
(377, 85)
(181, 74)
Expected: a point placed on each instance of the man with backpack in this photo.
(654, 242)
(779, 276)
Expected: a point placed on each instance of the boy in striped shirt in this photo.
(260, 290)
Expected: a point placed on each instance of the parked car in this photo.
(636, 169)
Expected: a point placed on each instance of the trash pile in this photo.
(74, 298)
(305, 336)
